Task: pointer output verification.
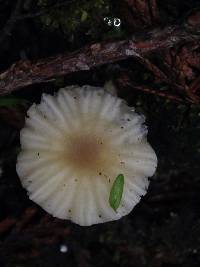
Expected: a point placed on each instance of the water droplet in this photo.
(63, 248)
(117, 22)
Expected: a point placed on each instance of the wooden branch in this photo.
(24, 73)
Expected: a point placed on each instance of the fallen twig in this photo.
(24, 73)
(125, 81)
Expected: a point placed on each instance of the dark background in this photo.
(163, 230)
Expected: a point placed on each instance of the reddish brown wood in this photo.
(24, 73)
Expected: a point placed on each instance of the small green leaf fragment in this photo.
(84, 16)
(12, 102)
(116, 192)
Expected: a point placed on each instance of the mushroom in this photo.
(73, 147)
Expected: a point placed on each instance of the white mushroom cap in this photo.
(74, 145)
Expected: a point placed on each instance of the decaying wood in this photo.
(145, 12)
(24, 73)
(177, 74)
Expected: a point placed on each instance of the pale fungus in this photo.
(80, 150)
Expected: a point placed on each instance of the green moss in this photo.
(76, 14)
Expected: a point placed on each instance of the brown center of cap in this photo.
(88, 153)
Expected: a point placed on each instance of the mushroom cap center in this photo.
(88, 153)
